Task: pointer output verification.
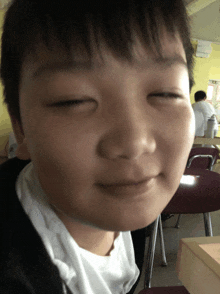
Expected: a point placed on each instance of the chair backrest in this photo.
(202, 157)
(165, 290)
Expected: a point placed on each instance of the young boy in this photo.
(98, 95)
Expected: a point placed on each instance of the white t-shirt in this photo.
(82, 271)
(199, 123)
(203, 111)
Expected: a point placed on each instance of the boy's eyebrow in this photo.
(74, 66)
(62, 66)
(163, 61)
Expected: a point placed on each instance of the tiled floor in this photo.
(190, 226)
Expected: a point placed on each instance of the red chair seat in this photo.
(201, 197)
(165, 290)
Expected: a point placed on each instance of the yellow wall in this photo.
(206, 69)
(5, 124)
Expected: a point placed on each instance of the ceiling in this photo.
(205, 19)
(4, 3)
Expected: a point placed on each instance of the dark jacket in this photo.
(25, 266)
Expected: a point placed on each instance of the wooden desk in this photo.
(197, 266)
(208, 141)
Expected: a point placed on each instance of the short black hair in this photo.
(199, 95)
(69, 23)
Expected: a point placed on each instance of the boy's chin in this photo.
(128, 225)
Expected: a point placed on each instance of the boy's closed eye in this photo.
(167, 95)
(166, 99)
(76, 102)
(84, 104)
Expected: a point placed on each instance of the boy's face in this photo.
(109, 143)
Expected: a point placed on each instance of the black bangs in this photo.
(72, 23)
(79, 25)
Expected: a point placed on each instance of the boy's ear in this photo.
(22, 150)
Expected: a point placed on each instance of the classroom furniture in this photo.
(198, 264)
(204, 158)
(198, 192)
(165, 290)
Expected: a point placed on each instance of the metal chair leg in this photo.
(178, 221)
(162, 245)
(152, 244)
(208, 224)
(150, 255)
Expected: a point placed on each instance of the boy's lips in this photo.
(128, 188)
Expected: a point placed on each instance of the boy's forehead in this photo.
(170, 47)
(45, 59)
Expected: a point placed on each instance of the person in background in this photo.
(203, 111)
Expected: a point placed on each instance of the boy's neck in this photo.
(92, 239)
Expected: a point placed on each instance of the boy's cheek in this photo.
(178, 127)
(176, 142)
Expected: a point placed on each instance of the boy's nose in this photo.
(129, 137)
